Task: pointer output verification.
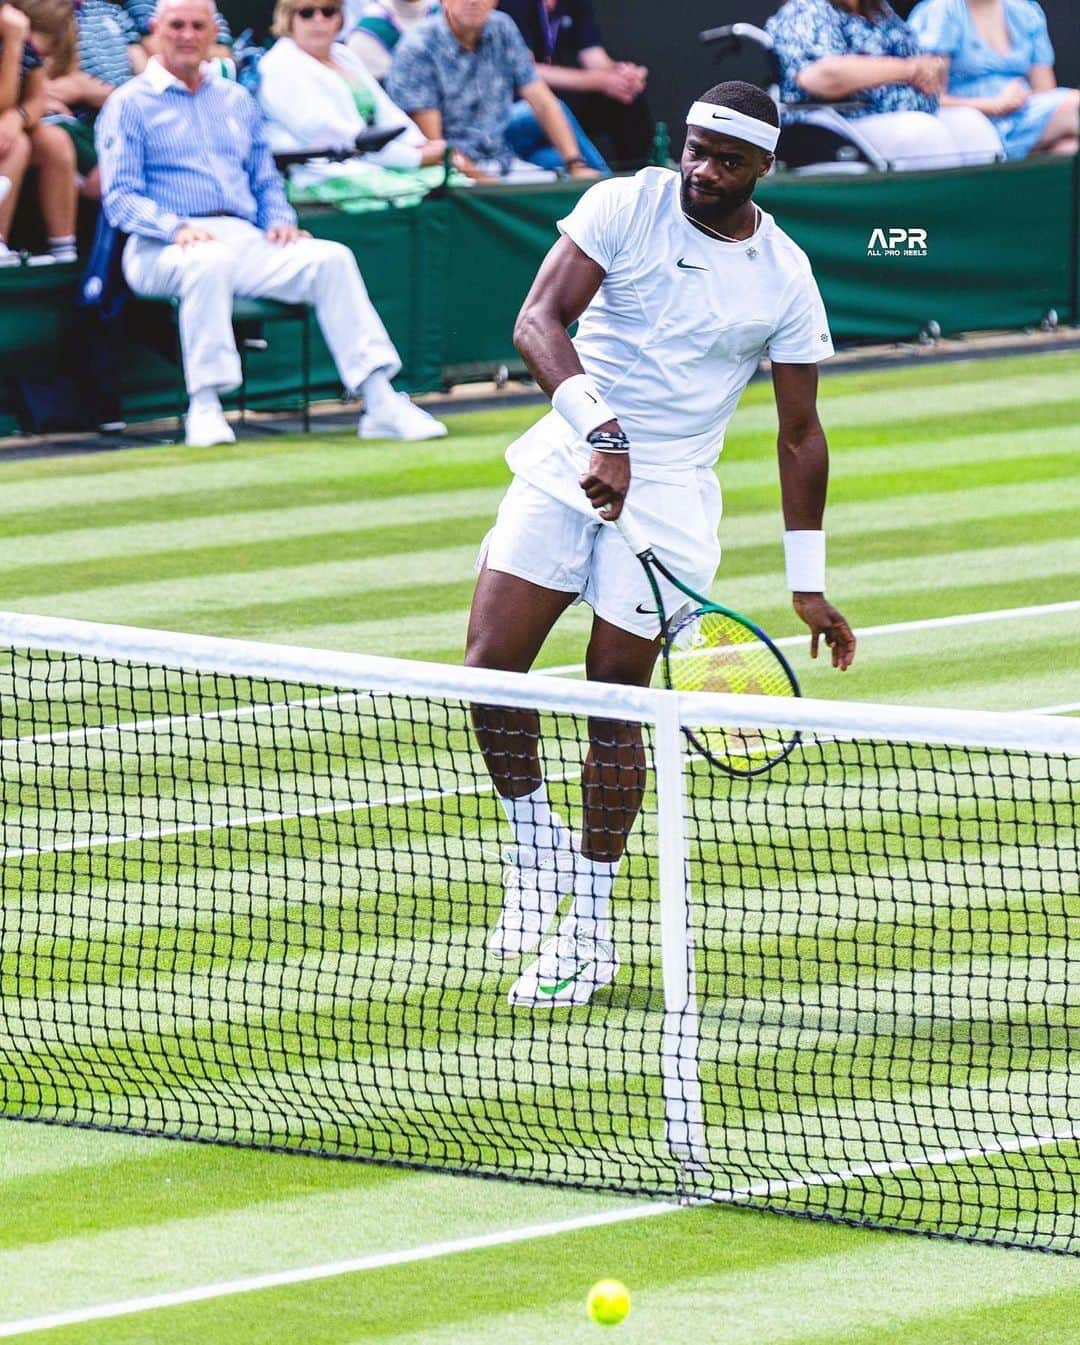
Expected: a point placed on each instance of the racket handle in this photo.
(631, 535)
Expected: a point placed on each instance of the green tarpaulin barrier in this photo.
(969, 249)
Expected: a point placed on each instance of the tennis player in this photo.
(681, 285)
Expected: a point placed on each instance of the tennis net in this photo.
(248, 891)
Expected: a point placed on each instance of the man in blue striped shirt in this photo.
(186, 170)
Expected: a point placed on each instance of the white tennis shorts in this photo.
(570, 549)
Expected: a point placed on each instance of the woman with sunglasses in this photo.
(317, 95)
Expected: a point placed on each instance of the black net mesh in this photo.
(888, 989)
(258, 912)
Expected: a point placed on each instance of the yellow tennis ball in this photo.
(608, 1302)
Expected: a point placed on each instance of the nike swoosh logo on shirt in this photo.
(567, 980)
(684, 265)
(645, 611)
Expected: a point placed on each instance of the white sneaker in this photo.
(401, 419)
(205, 427)
(532, 895)
(570, 969)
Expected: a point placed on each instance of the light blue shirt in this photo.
(977, 70)
(168, 156)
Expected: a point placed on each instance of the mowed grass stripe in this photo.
(761, 1279)
(189, 520)
(416, 586)
(917, 523)
(304, 469)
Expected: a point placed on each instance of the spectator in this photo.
(457, 74)
(26, 141)
(861, 50)
(143, 12)
(378, 27)
(1001, 62)
(110, 46)
(72, 96)
(317, 95)
(186, 170)
(607, 97)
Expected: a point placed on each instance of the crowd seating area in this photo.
(367, 106)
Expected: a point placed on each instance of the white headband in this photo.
(726, 121)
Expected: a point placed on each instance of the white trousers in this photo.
(242, 261)
(915, 140)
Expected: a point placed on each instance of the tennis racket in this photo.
(712, 648)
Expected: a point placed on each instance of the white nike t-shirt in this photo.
(678, 326)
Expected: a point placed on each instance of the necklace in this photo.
(726, 238)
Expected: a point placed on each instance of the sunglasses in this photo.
(309, 11)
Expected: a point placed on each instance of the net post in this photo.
(680, 1039)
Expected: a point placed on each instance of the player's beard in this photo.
(717, 208)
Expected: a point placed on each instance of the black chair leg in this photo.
(305, 371)
(181, 384)
(241, 395)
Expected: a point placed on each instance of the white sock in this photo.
(63, 249)
(378, 392)
(591, 907)
(530, 817)
(206, 399)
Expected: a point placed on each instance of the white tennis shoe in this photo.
(400, 419)
(532, 895)
(206, 426)
(570, 969)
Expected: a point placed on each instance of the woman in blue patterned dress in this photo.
(861, 51)
(1001, 62)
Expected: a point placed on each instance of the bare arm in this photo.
(14, 29)
(33, 99)
(79, 87)
(1042, 78)
(429, 119)
(803, 457)
(597, 73)
(836, 77)
(1013, 96)
(564, 287)
(553, 122)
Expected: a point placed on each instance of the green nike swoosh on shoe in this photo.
(568, 980)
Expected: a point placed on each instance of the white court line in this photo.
(162, 722)
(507, 1237)
(484, 786)
(901, 627)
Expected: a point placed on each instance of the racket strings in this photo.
(713, 651)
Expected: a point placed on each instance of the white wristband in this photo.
(579, 403)
(804, 559)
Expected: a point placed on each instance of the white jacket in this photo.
(310, 106)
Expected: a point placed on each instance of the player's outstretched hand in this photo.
(606, 483)
(824, 620)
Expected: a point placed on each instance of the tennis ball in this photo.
(608, 1302)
